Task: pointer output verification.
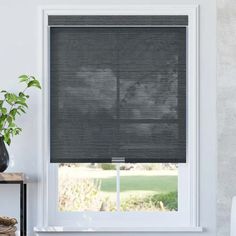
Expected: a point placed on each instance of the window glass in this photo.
(123, 187)
(148, 187)
(87, 187)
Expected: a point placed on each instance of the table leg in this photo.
(25, 209)
(22, 209)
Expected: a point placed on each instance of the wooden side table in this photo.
(18, 178)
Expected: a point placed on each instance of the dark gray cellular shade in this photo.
(118, 92)
(170, 20)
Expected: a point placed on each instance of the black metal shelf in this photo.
(18, 178)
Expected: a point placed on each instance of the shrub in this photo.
(108, 166)
(82, 195)
(156, 202)
(169, 200)
(78, 195)
(137, 203)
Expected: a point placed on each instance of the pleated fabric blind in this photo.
(117, 92)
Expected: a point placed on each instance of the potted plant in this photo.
(11, 106)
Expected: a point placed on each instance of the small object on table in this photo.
(7, 221)
(7, 226)
(7, 230)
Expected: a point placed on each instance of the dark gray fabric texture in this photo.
(118, 92)
(171, 20)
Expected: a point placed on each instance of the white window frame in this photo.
(187, 216)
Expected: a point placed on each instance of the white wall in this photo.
(19, 53)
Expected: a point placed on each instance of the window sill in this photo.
(60, 229)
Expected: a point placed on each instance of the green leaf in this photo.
(12, 125)
(4, 111)
(21, 94)
(22, 103)
(11, 98)
(23, 78)
(6, 136)
(13, 112)
(9, 120)
(34, 83)
(21, 109)
(21, 99)
(8, 99)
(33, 77)
(16, 131)
(3, 117)
(8, 141)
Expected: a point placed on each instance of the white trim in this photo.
(193, 102)
(193, 119)
(121, 10)
(118, 186)
(59, 229)
(43, 186)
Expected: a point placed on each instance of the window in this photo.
(116, 214)
(118, 187)
(123, 202)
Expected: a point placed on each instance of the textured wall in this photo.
(226, 105)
